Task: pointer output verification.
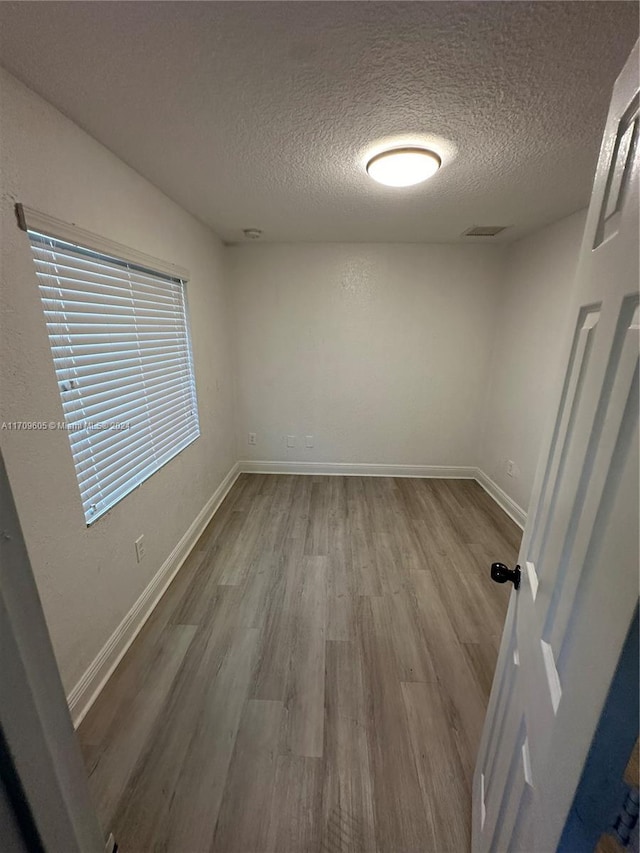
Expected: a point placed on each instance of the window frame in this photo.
(48, 227)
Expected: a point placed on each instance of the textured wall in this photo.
(525, 372)
(378, 351)
(88, 578)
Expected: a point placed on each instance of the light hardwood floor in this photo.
(314, 679)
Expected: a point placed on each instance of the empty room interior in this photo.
(319, 393)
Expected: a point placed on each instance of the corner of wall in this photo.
(481, 450)
(227, 266)
(538, 277)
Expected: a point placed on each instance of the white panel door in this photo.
(567, 622)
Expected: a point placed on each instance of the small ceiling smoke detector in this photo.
(484, 230)
(252, 233)
(403, 167)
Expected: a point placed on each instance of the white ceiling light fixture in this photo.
(403, 167)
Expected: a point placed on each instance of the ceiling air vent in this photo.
(252, 233)
(484, 230)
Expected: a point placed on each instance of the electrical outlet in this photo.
(140, 549)
(308, 441)
(291, 441)
(510, 467)
(252, 438)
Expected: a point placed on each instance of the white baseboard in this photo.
(515, 512)
(365, 469)
(87, 689)
(357, 469)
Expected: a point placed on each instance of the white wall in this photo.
(525, 370)
(88, 578)
(380, 352)
(403, 354)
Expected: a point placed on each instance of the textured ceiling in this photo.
(261, 114)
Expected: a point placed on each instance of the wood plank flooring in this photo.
(315, 678)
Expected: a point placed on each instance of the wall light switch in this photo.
(252, 438)
(308, 441)
(291, 441)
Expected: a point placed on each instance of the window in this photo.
(120, 343)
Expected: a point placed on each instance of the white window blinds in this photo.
(120, 342)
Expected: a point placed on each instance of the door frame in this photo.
(44, 781)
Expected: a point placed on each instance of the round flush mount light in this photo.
(403, 167)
